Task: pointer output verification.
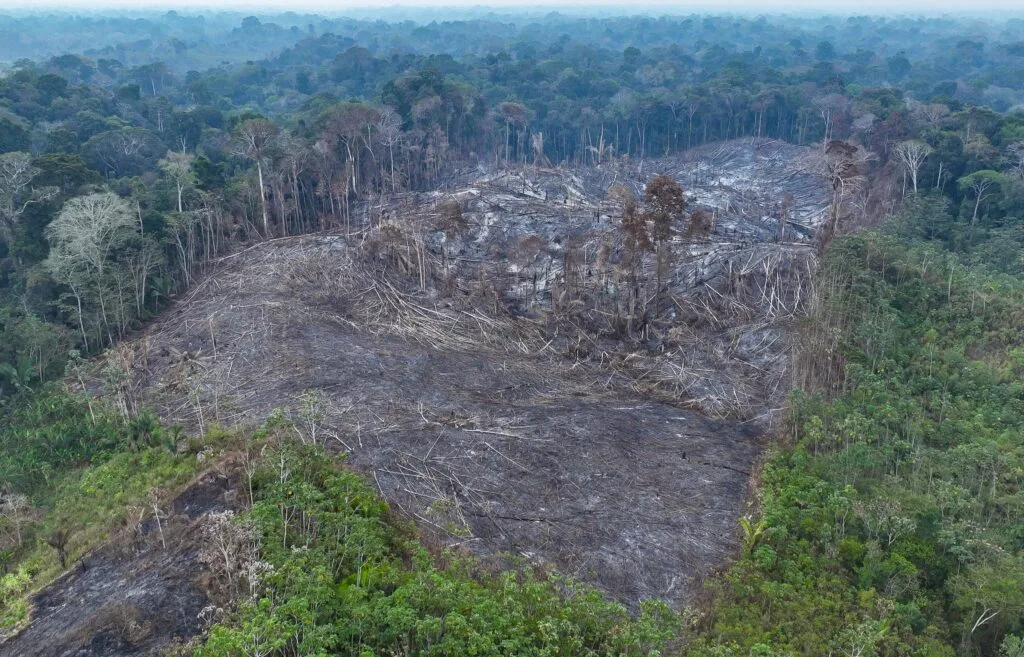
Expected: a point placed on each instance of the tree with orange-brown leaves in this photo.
(666, 205)
(843, 166)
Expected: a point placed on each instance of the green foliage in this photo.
(340, 579)
(13, 609)
(894, 517)
(86, 472)
(1012, 646)
(43, 435)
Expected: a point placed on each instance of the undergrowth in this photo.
(893, 518)
(341, 578)
(87, 471)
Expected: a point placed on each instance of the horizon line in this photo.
(866, 8)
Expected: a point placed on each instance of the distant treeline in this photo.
(336, 111)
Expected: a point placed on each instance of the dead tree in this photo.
(58, 540)
(784, 211)
(255, 137)
(17, 509)
(912, 154)
(666, 205)
(1015, 151)
(513, 114)
(230, 548)
(843, 167)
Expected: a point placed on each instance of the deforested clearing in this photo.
(502, 369)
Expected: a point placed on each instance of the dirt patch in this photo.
(130, 597)
(481, 376)
(515, 453)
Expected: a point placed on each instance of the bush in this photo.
(351, 582)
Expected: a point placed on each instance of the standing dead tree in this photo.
(636, 241)
(515, 116)
(842, 166)
(389, 131)
(153, 500)
(785, 209)
(58, 540)
(828, 107)
(912, 154)
(603, 150)
(666, 206)
(1015, 153)
(16, 510)
(230, 550)
(16, 192)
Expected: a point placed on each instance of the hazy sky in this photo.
(341, 6)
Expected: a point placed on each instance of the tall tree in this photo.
(666, 205)
(389, 130)
(981, 185)
(911, 154)
(842, 165)
(83, 239)
(178, 167)
(255, 138)
(16, 193)
(1015, 153)
(514, 115)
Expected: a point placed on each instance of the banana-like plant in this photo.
(752, 533)
(17, 378)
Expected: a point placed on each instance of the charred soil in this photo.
(471, 351)
(135, 595)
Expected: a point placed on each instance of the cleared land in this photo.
(136, 594)
(481, 374)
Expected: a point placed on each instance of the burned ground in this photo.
(486, 376)
(133, 596)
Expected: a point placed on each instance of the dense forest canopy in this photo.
(916, 54)
(139, 149)
(341, 109)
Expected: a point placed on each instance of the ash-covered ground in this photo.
(137, 594)
(486, 373)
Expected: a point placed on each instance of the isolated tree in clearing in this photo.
(666, 205)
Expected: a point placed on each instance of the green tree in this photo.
(178, 167)
(981, 185)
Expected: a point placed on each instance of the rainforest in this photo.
(517, 331)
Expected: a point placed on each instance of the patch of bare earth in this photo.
(135, 595)
(487, 377)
